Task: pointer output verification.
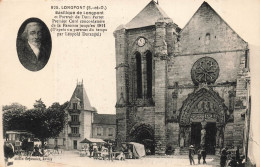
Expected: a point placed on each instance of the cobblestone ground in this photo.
(72, 159)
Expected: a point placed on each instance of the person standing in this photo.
(90, 150)
(237, 154)
(223, 157)
(191, 155)
(8, 153)
(56, 148)
(95, 149)
(199, 155)
(204, 154)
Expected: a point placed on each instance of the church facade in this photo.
(180, 87)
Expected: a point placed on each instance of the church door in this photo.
(195, 134)
(144, 134)
(210, 138)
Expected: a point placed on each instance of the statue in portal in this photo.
(182, 136)
(219, 136)
(202, 139)
(187, 136)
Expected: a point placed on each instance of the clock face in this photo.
(141, 42)
(205, 70)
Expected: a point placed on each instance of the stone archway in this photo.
(144, 134)
(203, 111)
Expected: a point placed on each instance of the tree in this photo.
(39, 105)
(14, 107)
(43, 123)
(13, 117)
(46, 123)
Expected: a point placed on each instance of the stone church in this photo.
(180, 87)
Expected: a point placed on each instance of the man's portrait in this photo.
(33, 44)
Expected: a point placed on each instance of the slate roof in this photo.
(107, 119)
(81, 94)
(147, 17)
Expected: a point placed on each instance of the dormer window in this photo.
(75, 106)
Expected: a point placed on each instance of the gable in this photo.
(147, 17)
(208, 32)
(81, 96)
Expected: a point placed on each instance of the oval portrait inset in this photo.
(33, 44)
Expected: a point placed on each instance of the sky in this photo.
(92, 59)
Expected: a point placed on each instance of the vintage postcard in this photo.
(129, 83)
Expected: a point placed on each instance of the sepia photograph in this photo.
(129, 83)
(33, 44)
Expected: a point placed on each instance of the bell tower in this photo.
(143, 49)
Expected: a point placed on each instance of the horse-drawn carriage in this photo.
(24, 142)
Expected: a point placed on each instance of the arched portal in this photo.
(144, 134)
(202, 119)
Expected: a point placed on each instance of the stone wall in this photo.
(174, 54)
(140, 115)
(194, 38)
(105, 129)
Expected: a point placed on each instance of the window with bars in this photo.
(99, 131)
(75, 130)
(75, 106)
(75, 118)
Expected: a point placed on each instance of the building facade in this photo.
(177, 87)
(104, 127)
(83, 122)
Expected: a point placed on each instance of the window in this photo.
(75, 106)
(207, 38)
(247, 59)
(75, 118)
(149, 73)
(12, 137)
(99, 131)
(110, 131)
(139, 74)
(74, 130)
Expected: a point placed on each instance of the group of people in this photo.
(97, 151)
(226, 159)
(201, 154)
(107, 151)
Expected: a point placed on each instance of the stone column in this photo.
(203, 134)
(187, 136)
(161, 59)
(121, 84)
(174, 101)
(121, 64)
(219, 136)
(182, 137)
